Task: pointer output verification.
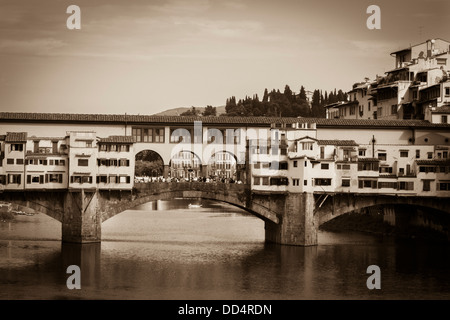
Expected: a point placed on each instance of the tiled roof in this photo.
(443, 109)
(368, 160)
(434, 162)
(338, 142)
(221, 120)
(117, 139)
(16, 137)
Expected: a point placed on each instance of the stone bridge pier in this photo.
(297, 224)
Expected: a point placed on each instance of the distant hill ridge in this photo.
(179, 111)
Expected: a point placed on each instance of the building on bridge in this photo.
(60, 151)
(302, 163)
(78, 160)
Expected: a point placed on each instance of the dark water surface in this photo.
(166, 250)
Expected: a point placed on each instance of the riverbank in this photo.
(374, 224)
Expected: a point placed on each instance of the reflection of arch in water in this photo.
(185, 164)
(222, 164)
(148, 163)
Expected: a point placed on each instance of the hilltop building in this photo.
(418, 87)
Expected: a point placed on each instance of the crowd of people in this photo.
(211, 179)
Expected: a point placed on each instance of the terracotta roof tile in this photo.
(434, 162)
(368, 160)
(444, 109)
(338, 142)
(221, 120)
(117, 139)
(16, 137)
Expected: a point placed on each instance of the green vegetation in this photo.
(284, 104)
(148, 163)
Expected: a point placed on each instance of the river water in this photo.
(168, 251)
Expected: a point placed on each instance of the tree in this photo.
(210, 111)
(191, 112)
(302, 94)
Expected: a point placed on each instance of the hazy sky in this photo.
(146, 56)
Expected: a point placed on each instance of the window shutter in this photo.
(46, 178)
(28, 179)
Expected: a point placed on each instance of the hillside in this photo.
(178, 111)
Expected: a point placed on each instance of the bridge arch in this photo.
(185, 164)
(401, 211)
(233, 194)
(148, 163)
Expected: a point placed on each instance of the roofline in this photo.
(410, 47)
(216, 121)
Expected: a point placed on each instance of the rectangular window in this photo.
(305, 182)
(86, 179)
(14, 178)
(447, 92)
(324, 166)
(54, 146)
(159, 135)
(426, 185)
(404, 154)
(406, 185)
(83, 162)
(346, 182)
(283, 165)
(113, 147)
(88, 144)
(103, 147)
(430, 155)
(3, 179)
(43, 162)
(256, 181)
(362, 152)
(102, 179)
(394, 109)
(384, 184)
(382, 156)
(307, 145)
(322, 152)
(62, 162)
(17, 147)
(137, 132)
(417, 154)
(19, 161)
(265, 181)
(9, 161)
(295, 163)
(124, 148)
(322, 182)
(443, 119)
(444, 186)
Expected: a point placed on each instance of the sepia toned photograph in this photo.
(240, 152)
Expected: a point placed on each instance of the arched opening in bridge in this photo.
(186, 222)
(185, 165)
(399, 220)
(222, 165)
(149, 165)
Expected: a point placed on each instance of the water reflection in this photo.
(165, 250)
(87, 256)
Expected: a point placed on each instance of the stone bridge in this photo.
(290, 218)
